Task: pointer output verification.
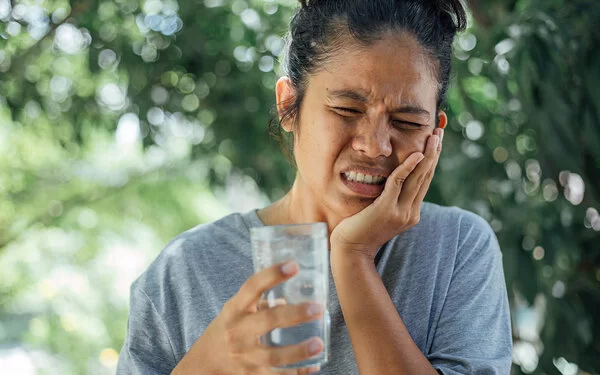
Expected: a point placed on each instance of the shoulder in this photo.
(466, 232)
(452, 217)
(472, 323)
(193, 252)
(453, 221)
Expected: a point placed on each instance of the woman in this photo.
(415, 288)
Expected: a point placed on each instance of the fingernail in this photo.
(442, 135)
(314, 369)
(314, 309)
(288, 268)
(421, 157)
(314, 346)
(437, 141)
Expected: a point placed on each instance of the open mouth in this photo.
(364, 178)
(363, 185)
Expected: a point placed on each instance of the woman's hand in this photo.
(230, 344)
(395, 210)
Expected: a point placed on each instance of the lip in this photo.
(365, 190)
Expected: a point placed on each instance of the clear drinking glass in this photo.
(307, 244)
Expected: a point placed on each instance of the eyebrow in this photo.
(354, 95)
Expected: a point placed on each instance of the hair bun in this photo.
(308, 3)
(456, 10)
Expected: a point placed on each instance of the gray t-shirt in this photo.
(444, 275)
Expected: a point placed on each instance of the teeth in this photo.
(363, 178)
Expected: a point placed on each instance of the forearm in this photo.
(380, 340)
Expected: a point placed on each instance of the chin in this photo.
(350, 207)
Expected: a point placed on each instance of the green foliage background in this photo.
(123, 123)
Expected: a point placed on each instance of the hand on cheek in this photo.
(396, 209)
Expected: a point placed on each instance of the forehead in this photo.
(394, 68)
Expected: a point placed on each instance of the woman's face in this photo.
(364, 112)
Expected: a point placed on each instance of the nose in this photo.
(373, 139)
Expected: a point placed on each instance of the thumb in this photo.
(394, 182)
(310, 370)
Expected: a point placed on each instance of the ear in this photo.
(442, 119)
(285, 95)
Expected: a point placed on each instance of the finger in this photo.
(301, 371)
(283, 316)
(425, 187)
(251, 291)
(286, 355)
(267, 304)
(422, 172)
(310, 370)
(395, 181)
(284, 372)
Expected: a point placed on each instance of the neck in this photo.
(298, 206)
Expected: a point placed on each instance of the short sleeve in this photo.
(147, 349)
(473, 334)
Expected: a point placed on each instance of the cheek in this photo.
(323, 137)
(406, 144)
(317, 145)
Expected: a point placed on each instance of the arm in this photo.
(472, 334)
(381, 342)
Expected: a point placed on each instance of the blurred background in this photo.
(126, 122)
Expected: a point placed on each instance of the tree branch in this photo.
(81, 198)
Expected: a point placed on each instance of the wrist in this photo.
(195, 360)
(342, 247)
(356, 261)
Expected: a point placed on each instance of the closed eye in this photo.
(351, 112)
(347, 111)
(406, 123)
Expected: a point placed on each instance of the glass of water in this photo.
(307, 244)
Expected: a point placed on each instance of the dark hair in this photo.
(318, 28)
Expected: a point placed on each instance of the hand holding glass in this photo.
(307, 244)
